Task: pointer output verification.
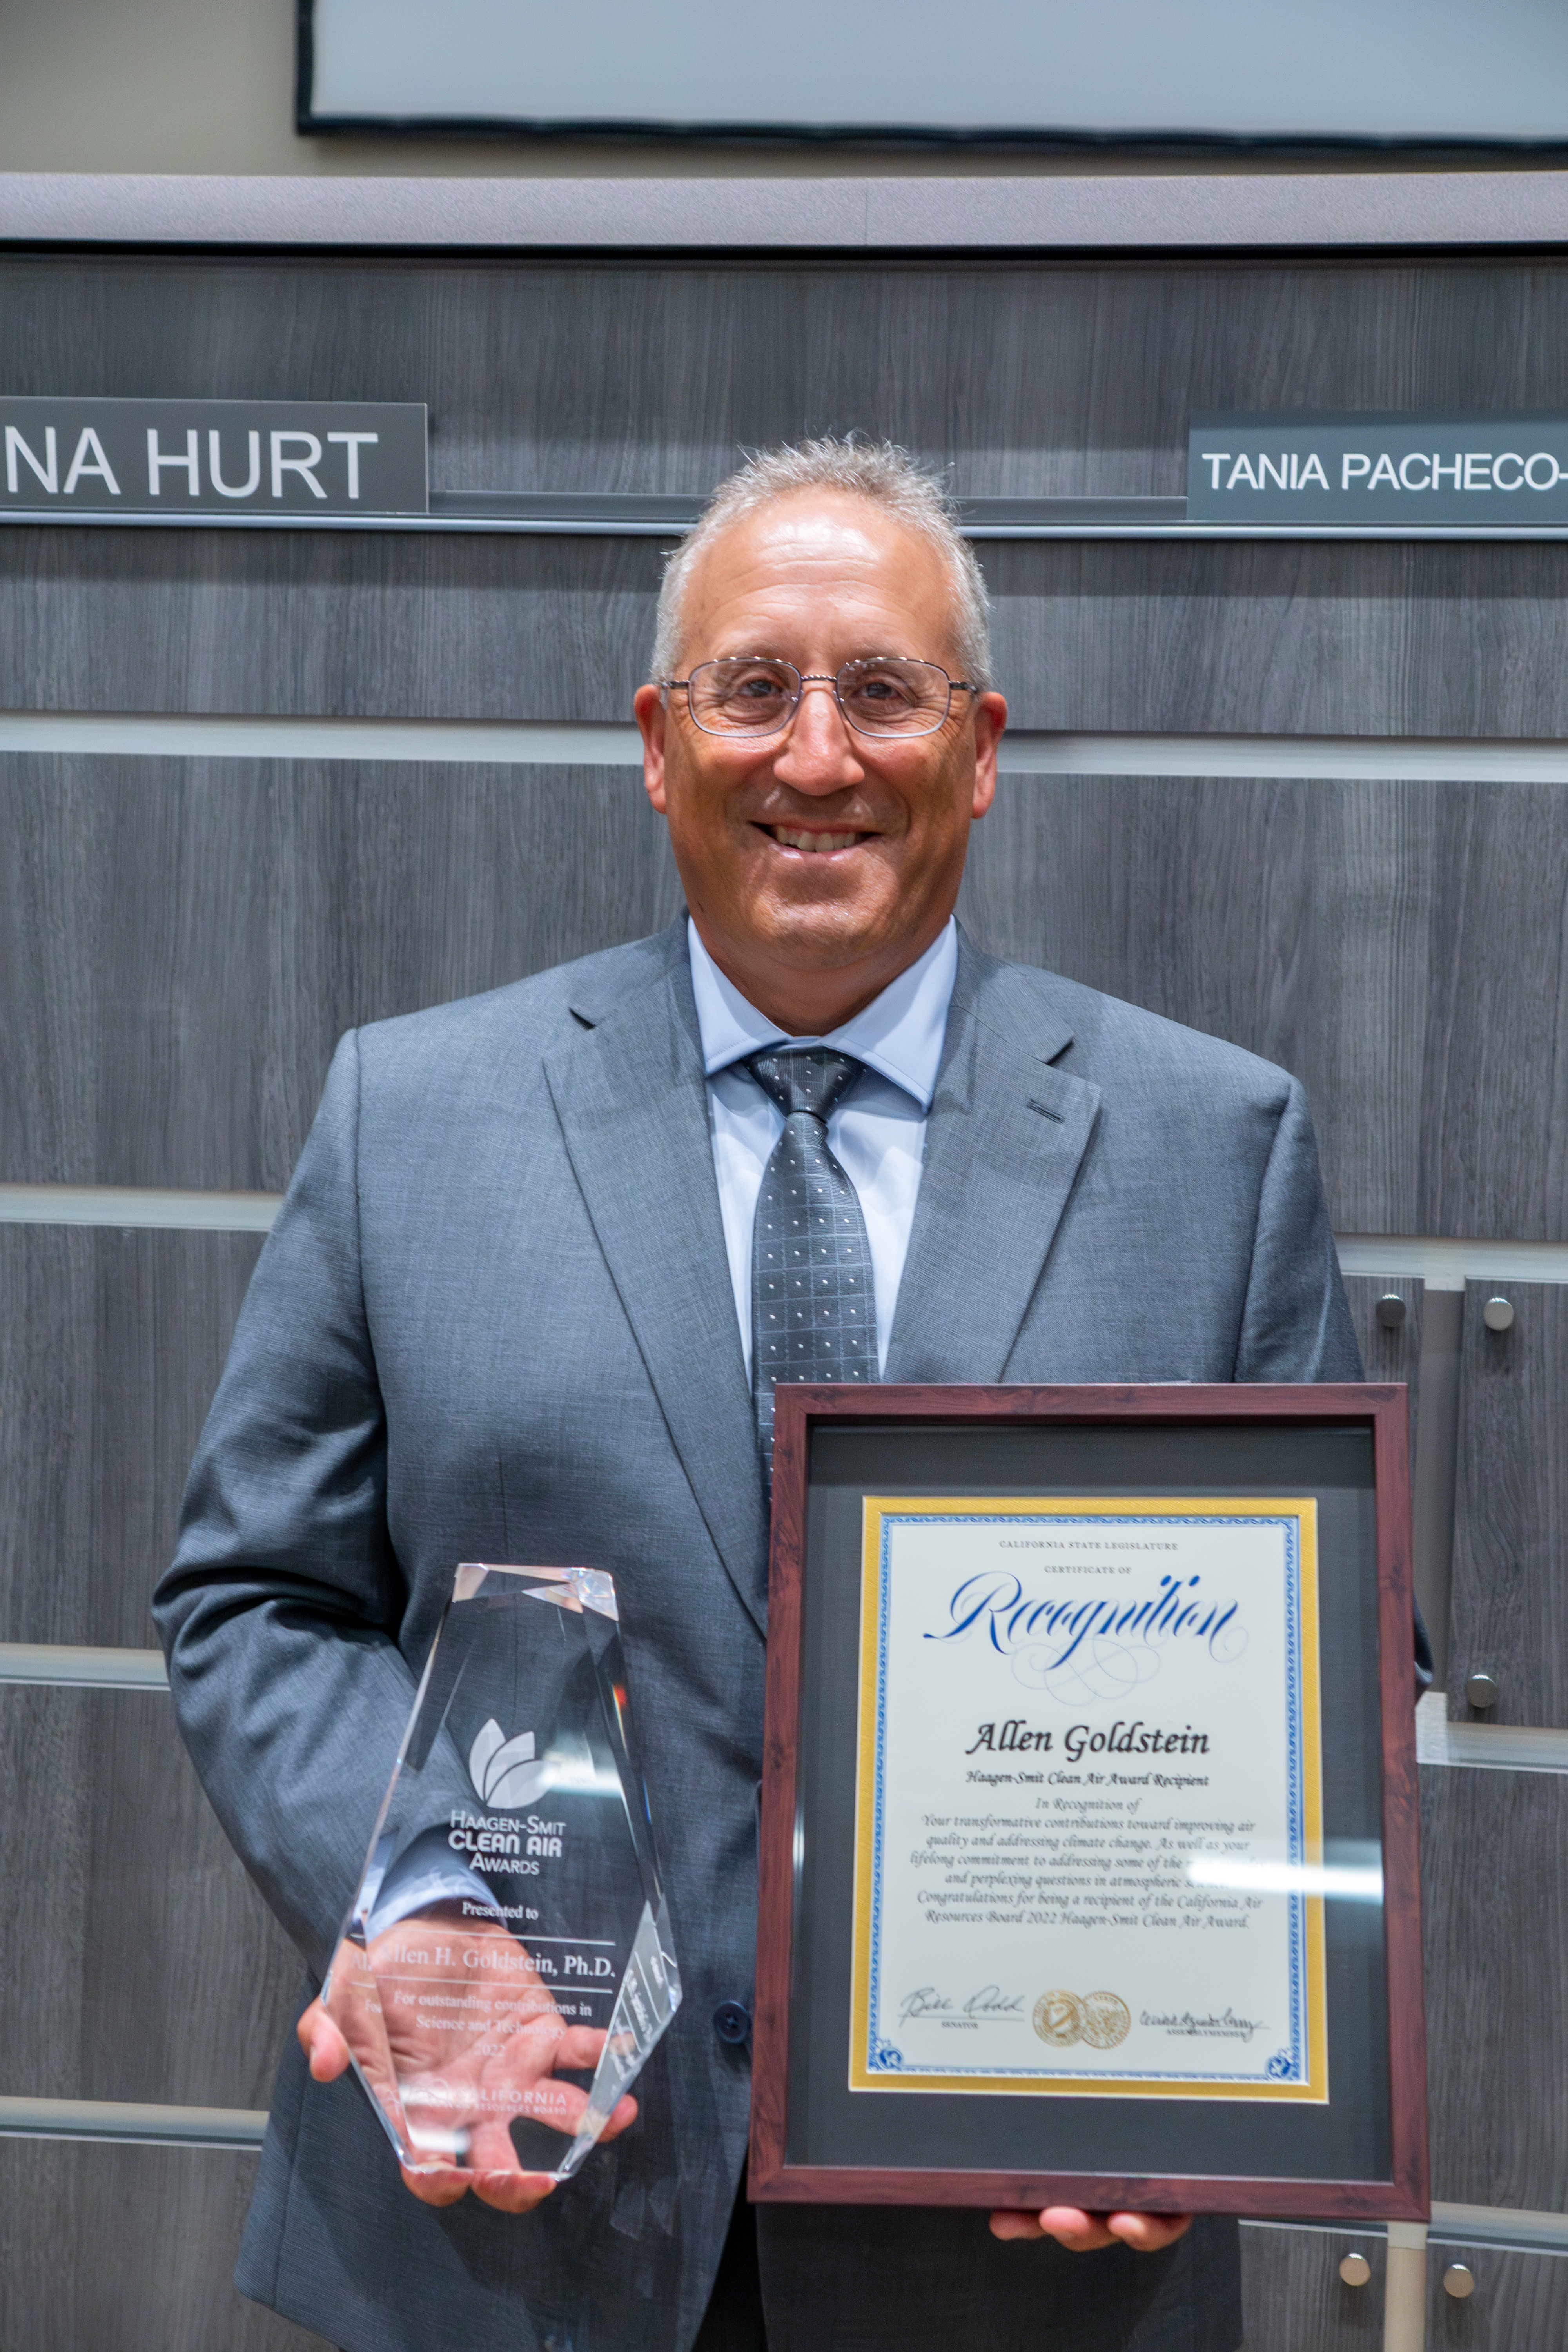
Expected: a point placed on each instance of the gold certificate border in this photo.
(879, 1508)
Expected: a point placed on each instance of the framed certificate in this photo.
(1088, 1835)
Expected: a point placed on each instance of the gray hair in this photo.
(878, 471)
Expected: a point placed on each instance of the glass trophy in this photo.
(509, 1932)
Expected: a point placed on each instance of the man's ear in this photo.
(648, 705)
(990, 722)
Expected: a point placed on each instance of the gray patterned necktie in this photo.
(814, 1302)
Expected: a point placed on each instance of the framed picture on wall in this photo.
(1089, 1868)
(1125, 73)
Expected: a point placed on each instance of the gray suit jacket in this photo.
(494, 1320)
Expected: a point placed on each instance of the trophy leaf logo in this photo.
(504, 1771)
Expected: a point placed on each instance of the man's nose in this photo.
(818, 753)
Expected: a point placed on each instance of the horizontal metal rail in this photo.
(595, 743)
(831, 211)
(597, 514)
(1440, 1263)
(131, 1207)
(241, 2129)
(66, 1665)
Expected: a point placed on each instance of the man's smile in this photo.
(794, 836)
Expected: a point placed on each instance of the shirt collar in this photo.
(898, 1033)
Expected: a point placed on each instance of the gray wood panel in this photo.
(1509, 1611)
(1304, 639)
(111, 1347)
(1272, 638)
(137, 1961)
(1389, 1355)
(1432, 1481)
(127, 2250)
(183, 943)
(1520, 2303)
(644, 375)
(1399, 946)
(336, 624)
(1293, 2298)
(1395, 1354)
(1027, 378)
(1495, 1926)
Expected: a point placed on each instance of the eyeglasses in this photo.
(752, 694)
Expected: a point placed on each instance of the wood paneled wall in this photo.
(182, 940)
(127, 2250)
(111, 1345)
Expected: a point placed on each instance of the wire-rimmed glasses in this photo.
(755, 694)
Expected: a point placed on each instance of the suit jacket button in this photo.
(733, 2021)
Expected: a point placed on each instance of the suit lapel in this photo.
(631, 1098)
(1004, 1142)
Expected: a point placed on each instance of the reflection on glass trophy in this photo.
(509, 1931)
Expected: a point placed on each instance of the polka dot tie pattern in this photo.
(813, 1299)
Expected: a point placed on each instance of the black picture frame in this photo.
(1003, 137)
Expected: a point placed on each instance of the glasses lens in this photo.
(741, 696)
(886, 696)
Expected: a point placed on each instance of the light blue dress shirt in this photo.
(875, 1131)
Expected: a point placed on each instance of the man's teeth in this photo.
(790, 837)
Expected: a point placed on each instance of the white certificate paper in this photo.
(1089, 1825)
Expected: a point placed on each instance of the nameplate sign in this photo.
(270, 458)
(1398, 470)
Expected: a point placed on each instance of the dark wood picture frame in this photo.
(802, 1410)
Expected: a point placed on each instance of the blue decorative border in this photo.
(883, 2056)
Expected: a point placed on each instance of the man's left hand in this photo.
(1085, 2233)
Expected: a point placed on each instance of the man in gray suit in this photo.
(528, 1298)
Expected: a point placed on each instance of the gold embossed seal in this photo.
(1106, 2020)
(1058, 2019)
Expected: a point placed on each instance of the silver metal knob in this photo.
(1498, 1314)
(1458, 2281)
(1391, 1313)
(1355, 2270)
(1482, 1690)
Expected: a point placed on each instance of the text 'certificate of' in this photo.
(1089, 1821)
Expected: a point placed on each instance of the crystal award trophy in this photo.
(509, 1931)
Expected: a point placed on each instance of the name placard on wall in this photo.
(1375, 467)
(266, 458)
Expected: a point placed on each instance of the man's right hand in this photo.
(1087, 2233)
(476, 2075)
